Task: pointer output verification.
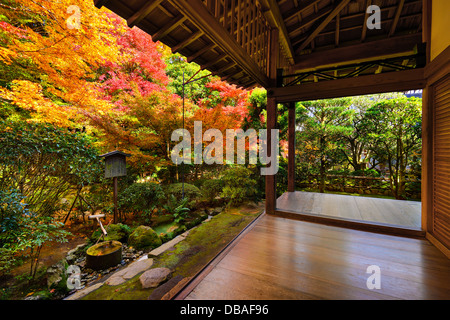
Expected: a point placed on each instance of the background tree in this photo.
(194, 91)
(323, 123)
(394, 130)
(49, 67)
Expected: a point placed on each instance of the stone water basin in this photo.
(104, 255)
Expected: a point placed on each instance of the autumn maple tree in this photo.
(50, 58)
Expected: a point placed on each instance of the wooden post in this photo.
(115, 200)
(272, 119)
(291, 148)
(427, 129)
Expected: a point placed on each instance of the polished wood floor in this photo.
(386, 211)
(278, 258)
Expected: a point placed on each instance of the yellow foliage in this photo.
(67, 57)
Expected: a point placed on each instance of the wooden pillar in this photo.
(427, 159)
(291, 147)
(427, 128)
(272, 119)
(115, 192)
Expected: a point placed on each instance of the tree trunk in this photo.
(322, 175)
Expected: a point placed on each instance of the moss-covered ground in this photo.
(189, 256)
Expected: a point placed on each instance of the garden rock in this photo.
(56, 274)
(144, 238)
(153, 277)
(74, 254)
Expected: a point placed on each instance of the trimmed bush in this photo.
(211, 189)
(141, 199)
(239, 186)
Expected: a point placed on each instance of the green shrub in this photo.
(239, 186)
(11, 211)
(211, 189)
(44, 162)
(24, 231)
(190, 191)
(177, 208)
(116, 232)
(366, 173)
(141, 199)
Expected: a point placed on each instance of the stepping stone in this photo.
(153, 277)
(129, 272)
(81, 293)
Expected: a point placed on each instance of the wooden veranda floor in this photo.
(366, 209)
(278, 258)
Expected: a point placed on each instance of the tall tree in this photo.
(323, 123)
(356, 151)
(394, 130)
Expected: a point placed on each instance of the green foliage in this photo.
(239, 186)
(23, 230)
(12, 211)
(116, 232)
(9, 111)
(140, 199)
(324, 124)
(44, 162)
(366, 173)
(177, 208)
(394, 129)
(194, 91)
(372, 136)
(211, 189)
(190, 191)
(257, 109)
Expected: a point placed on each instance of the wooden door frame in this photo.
(435, 71)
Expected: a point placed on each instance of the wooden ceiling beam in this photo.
(225, 68)
(384, 21)
(302, 6)
(143, 12)
(199, 15)
(213, 62)
(396, 18)
(187, 41)
(230, 75)
(338, 29)
(273, 14)
(362, 85)
(169, 27)
(366, 16)
(310, 19)
(197, 54)
(395, 46)
(337, 8)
